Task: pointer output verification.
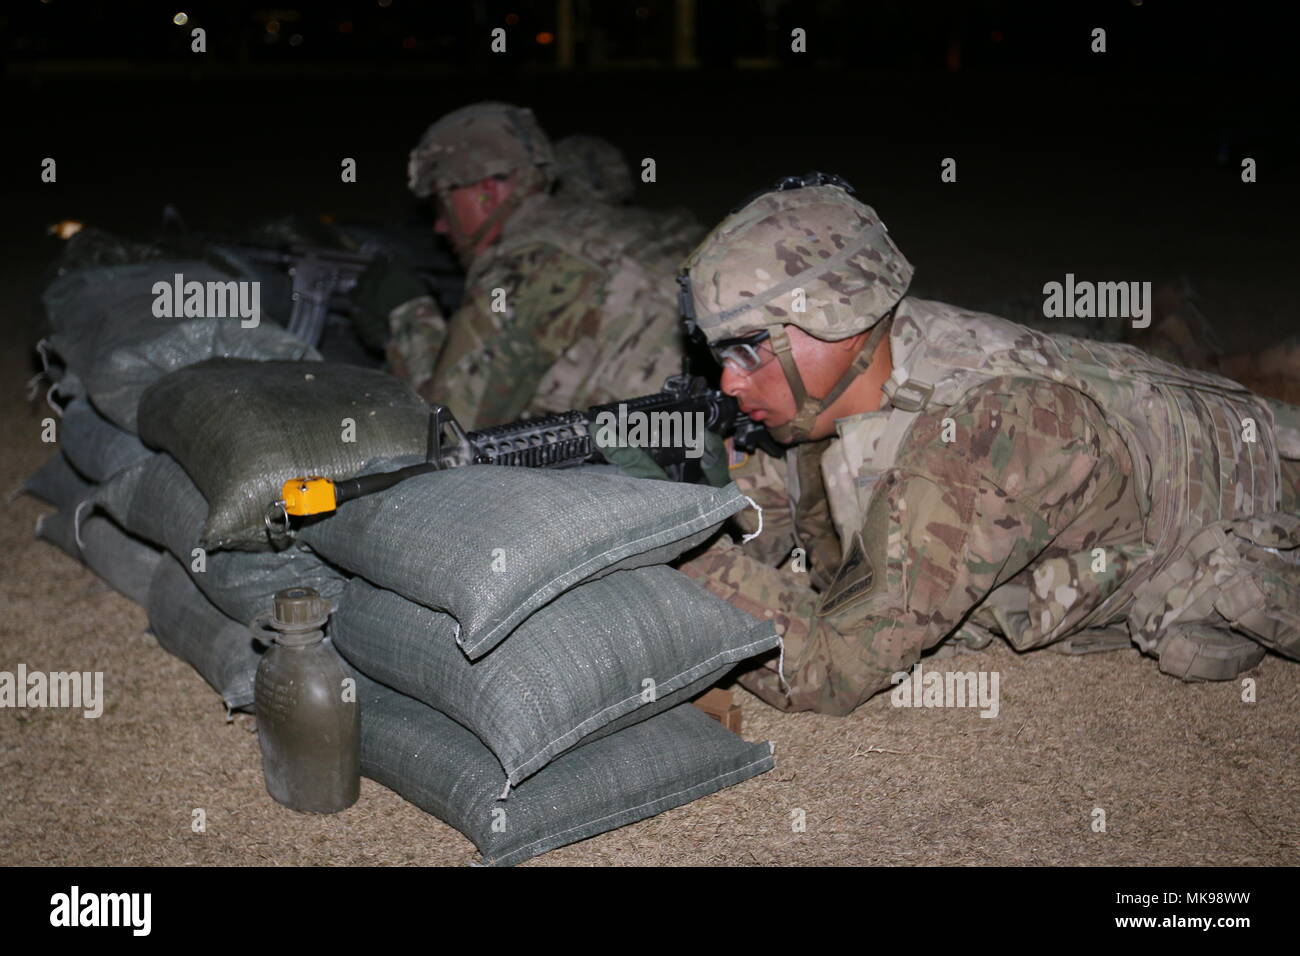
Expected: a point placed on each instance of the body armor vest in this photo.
(1203, 451)
(635, 256)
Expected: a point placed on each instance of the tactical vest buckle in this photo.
(911, 396)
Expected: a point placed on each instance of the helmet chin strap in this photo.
(799, 429)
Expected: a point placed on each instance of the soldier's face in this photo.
(765, 395)
(463, 210)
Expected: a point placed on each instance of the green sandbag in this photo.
(241, 429)
(106, 332)
(95, 446)
(123, 561)
(601, 656)
(157, 501)
(664, 762)
(491, 544)
(56, 482)
(186, 624)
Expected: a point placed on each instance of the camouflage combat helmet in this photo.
(479, 141)
(805, 253)
(594, 169)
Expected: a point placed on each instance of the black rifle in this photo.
(550, 441)
(323, 278)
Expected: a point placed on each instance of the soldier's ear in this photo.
(853, 343)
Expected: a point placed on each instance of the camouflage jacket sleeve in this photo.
(945, 526)
(416, 333)
(495, 358)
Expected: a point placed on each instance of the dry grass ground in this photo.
(1187, 774)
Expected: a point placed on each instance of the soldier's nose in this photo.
(732, 382)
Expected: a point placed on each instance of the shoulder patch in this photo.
(741, 464)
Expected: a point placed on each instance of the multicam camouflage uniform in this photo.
(592, 169)
(572, 306)
(1178, 332)
(1086, 485)
(417, 331)
(589, 315)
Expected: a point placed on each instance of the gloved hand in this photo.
(714, 461)
(386, 284)
(634, 462)
(638, 463)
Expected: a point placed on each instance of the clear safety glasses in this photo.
(746, 355)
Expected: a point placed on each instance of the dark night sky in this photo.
(1152, 35)
(1067, 159)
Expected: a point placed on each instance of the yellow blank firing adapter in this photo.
(308, 496)
(303, 497)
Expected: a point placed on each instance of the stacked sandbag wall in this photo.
(523, 652)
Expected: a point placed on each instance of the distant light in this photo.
(295, 40)
(272, 26)
(996, 36)
(345, 26)
(512, 18)
(642, 12)
(385, 3)
(545, 38)
(65, 229)
(408, 43)
(181, 19)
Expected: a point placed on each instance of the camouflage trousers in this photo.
(1241, 575)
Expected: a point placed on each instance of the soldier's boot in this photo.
(1094, 641)
(968, 639)
(1207, 654)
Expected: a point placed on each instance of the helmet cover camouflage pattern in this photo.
(594, 169)
(742, 279)
(477, 142)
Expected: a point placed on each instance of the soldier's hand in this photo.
(635, 462)
(716, 460)
(638, 463)
(386, 284)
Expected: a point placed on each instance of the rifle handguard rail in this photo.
(559, 440)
